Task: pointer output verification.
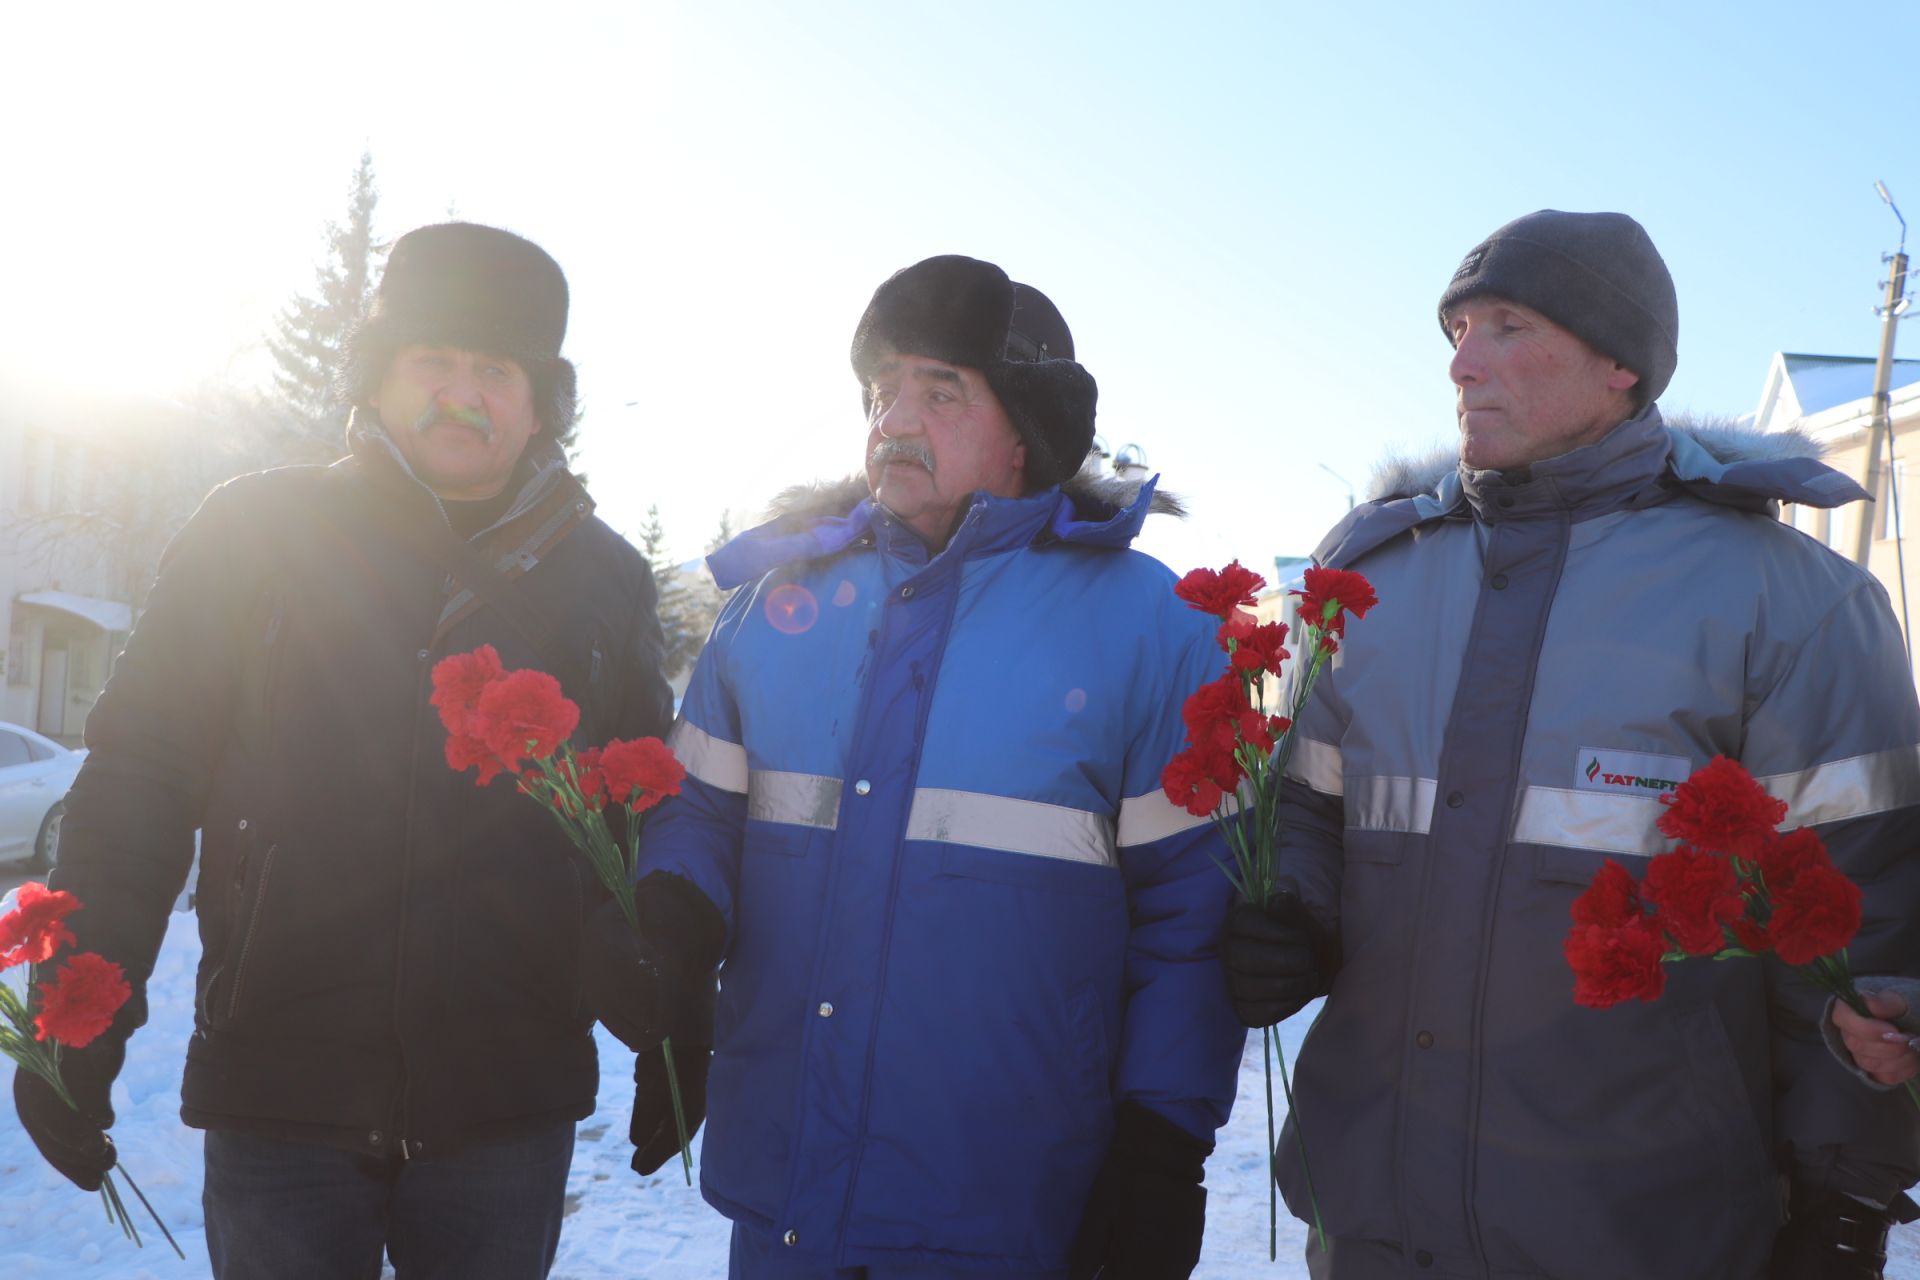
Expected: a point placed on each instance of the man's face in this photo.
(460, 418)
(935, 435)
(1528, 389)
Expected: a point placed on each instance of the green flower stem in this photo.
(557, 787)
(1300, 1138)
(1253, 845)
(679, 1115)
(1273, 1143)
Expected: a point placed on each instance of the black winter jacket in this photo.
(389, 950)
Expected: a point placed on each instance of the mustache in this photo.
(459, 415)
(901, 451)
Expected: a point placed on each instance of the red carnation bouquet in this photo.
(67, 1012)
(1236, 752)
(518, 722)
(1736, 886)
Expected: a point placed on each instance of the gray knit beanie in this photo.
(1596, 275)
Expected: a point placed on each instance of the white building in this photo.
(1831, 399)
(90, 490)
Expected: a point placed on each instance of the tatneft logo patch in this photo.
(1628, 772)
(1470, 265)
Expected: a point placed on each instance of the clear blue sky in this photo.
(1246, 211)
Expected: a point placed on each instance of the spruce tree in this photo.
(311, 331)
(684, 616)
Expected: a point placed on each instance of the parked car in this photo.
(35, 773)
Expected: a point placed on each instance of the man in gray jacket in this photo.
(1587, 601)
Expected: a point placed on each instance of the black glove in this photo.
(640, 983)
(73, 1141)
(655, 1137)
(1830, 1236)
(1276, 958)
(1147, 1211)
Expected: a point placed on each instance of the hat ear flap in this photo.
(1051, 404)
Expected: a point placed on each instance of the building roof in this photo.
(1833, 389)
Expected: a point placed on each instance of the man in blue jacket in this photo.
(971, 1016)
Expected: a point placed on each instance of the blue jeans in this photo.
(298, 1211)
(755, 1255)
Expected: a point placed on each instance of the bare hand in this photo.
(1882, 1050)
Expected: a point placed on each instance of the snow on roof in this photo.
(108, 615)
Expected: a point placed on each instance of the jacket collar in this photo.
(991, 526)
(1642, 462)
(542, 469)
(1589, 481)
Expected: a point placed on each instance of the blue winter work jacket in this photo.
(964, 921)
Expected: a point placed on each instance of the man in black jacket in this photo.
(390, 1051)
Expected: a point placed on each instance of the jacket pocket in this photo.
(227, 986)
(1030, 871)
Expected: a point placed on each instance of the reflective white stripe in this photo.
(1144, 819)
(714, 761)
(804, 799)
(1851, 788)
(1391, 804)
(1016, 826)
(1317, 764)
(1595, 820)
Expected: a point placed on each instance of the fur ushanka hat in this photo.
(967, 312)
(460, 284)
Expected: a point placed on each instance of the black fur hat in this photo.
(478, 288)
(1596, 275)
(967, 312)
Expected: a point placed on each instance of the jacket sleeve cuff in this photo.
(1907, 988)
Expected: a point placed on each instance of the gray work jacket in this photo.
(1552, 651)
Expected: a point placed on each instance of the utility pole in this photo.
(1882, 425)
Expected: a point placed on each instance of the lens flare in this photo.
(844, 594)
(791, 609)
(1076, 701)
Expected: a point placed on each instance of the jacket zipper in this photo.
(246, 938)
(422, 682)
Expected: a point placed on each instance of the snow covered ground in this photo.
(620, 1226)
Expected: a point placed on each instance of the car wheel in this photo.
(46, 846)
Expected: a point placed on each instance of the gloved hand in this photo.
(73, 1141)
(638, 982)
(1277, 958)
(1830, 1236)
(1147, 1211)
(655, 1138)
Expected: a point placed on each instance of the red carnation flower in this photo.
(1613, 899)
(1723, 810)
(641, 773)
(36, 927)
(1697, 895)
(1814, 916)
(1220, 594)
(522, 714)
(1198, 780)
(1216, 707)
(1751, 934)
(1612, 965)
(1783, 858)
(590, 777)
(1330, 595)
(465, 752)
(1262, 648)
(80, 1001)
(458, 682)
